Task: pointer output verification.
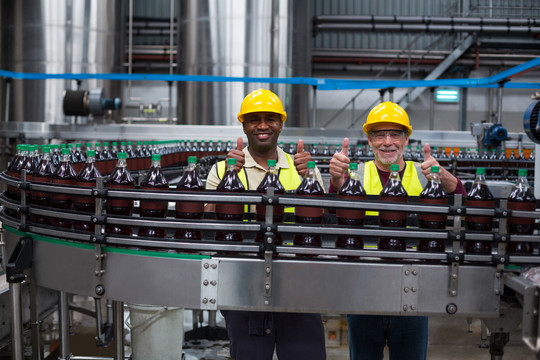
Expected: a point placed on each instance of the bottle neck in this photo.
(121, 162)
(156, 163)
(435, 177)
(191, 166)
(310, 174)
(231, 167)
(353, 174)
(272, 170)
(66, 157)
(480, 178)
(522, 182)
(90, 159)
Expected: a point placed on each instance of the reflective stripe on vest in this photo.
(411, 181)
(289, 178)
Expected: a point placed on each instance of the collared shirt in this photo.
(254, 172)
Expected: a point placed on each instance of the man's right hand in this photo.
(339, 165)
(238, 154)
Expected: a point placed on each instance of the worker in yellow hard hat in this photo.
(388, 130)
(255, 335)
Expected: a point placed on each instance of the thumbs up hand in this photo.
(339, 165)
(448, 180)
(301, 158)
(238, 154)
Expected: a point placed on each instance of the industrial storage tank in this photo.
(270, 38)
(57, 36)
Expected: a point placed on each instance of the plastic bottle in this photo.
(409, 154)
(314, 150)
(87, 177)
(55, 155)
(154, 180)
(271, 179)
(64, 174)
(393, 191)
(433, 194)
(119, 179)
(479, 196)
(351, 190)
(309, 187)
(42, 174)
(521, 198)
(234, 211)
(359, 153)
(228, 147)
(106, 155)
(190, 181)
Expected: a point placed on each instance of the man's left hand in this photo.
(448, 181)
(301, 159)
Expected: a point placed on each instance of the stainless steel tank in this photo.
(58, 36)
(267, 38)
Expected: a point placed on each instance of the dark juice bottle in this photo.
(64, 174)
(87, 177)
(14, 170)
(232, 212)
(433, 194)
(521, 198)
(43, 175)
(351, 190)
(108, 159)
(479, 196)
(190, 181)
(310, 187)
(119, 179)
(393, 191)
(154, 180)
(270, 180)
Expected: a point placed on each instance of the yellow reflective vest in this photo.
(289, 177)
(412, 180)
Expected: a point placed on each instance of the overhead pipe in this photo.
(403, 27)
(425, 20)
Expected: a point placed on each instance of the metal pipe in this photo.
(425, 20)
(16, 321)
(492, 29)
(314, 108)
(99, 319)
(118, 315)
(130, 51)
(432, 109)
(463, 109)
(35, 322)
(499, 103)
(63, 324)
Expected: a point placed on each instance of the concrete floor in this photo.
(449, 339)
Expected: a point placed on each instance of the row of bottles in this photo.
(44, 171)
(138, 157)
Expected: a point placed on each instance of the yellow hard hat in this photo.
(261, 100)
(387, 112)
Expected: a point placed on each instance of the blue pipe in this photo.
(321, 84)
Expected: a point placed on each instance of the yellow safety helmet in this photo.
(387, 112)
(261, 100)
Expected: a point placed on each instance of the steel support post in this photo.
(63, 320)
(35, 322)
(16, 321)
(118, 321)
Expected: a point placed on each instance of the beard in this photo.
(387, 160)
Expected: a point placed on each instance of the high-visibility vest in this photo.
(411, 181)
(289, 178)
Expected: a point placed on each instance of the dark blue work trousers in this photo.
(406, 337)
(254, 335)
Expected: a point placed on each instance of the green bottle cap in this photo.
(98, 144)
(231, 161)
(522, 172)
(88, 145)
(91, 153)
(70, 146)
(63, 146)
(271, 162)
(156, 157)
(353, 166)
(46, 149)
(65, 151)
(394, 167)
(78, 145)
(435, 169)
(192, 160)
(122, 155)
(105, 144)
(480, 171)
(311, 164)
(114, 143)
